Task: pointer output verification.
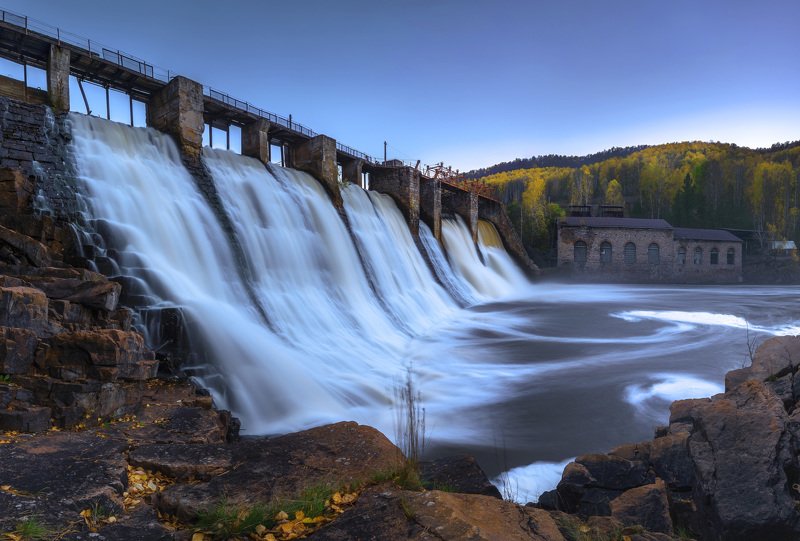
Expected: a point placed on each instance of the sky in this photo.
(476, 82)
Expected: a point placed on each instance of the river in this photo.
(571, 369)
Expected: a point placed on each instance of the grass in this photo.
(410, 431)
(31, 529)
(228, 520)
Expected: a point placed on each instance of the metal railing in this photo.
(132, 63)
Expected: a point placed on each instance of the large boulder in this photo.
(267, 468)
(645, 506)
(389, 513)
(457, 474)
(773, 359)
(742, 450)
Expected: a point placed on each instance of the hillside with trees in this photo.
(695, 184)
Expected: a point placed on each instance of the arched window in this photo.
(714, 256)
(579, 253)
(731, 256)
(605, 252)
(630, 253)
(653, 254)
(698, 256)
(681, 256)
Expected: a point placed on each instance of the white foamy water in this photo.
(491, 272)
(651, 399)
(526, 483)
(342, 314)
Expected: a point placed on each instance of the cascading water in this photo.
(487, 267)
(339, 332)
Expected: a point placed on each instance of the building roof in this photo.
(718, 235)
(615, 223)
(782, 245)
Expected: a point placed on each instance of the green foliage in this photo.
(227, 520)
(614, 193)
(691, 184)
(5, 378)
(31, 529)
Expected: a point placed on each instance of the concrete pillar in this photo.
(459, 201)
(473, 215)
(177, 109)
(494, 212)
(58, 78)
(352, 170)
(402, 184)
(255, 140)
(430, 205)
(317, 157)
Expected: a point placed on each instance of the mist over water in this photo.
(523, 376)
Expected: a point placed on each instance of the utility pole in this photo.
(384, 152)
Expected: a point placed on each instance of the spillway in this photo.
(346, 305)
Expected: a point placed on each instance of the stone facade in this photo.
(58, 64)
(317, 156)
(177, 109)
(494, 212)
(431, 204)
(640, 250)
(402, 184)
(255, 140)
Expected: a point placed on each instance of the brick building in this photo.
(647, 250)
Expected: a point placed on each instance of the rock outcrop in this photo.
(726, 467)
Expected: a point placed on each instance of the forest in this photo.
(694, 184)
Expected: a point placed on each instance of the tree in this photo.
(614, 193)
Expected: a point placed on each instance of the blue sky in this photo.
(475, 82)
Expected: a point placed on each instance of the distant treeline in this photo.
(555, 160)
(689, 184)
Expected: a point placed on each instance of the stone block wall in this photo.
(690, 272)
(403, 185)
(38, 180)
(494, 212)
(15, 89)
(430, 206)
(177, 109)
(617, 269)
(463, 203)
(317, 157)
(255, 140)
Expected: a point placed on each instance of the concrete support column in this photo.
(317, 157)
(58, 78)
(177, 109)
(473, 215)
(402, 184)
(431, 204)
(255, 140)
(494, 212)
(352, 171)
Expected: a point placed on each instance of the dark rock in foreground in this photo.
(726, 467)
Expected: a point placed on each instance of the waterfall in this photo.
(485, 265)
(346, 307)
